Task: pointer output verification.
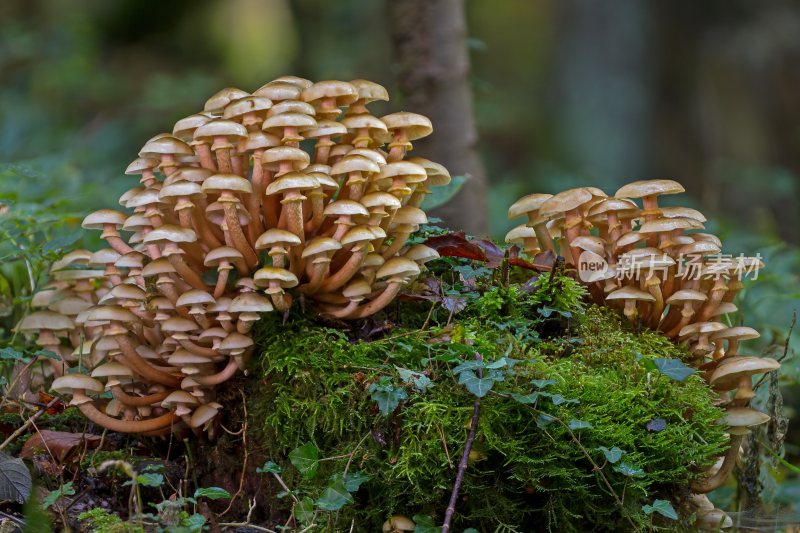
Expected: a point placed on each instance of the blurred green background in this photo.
(566, 93)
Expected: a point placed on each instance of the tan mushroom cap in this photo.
(410, 215)
(728, 374)
(194, 297)
(235, 342)
(438, 175)
(638, 189)
(301, 121)
(166, 145)
(618, 205)
(45, 320)
(700, 248)
(659, 225)
(398, 524)
(744, 417)
(354, 163)
(590, 243)
(112, 313)
(112, 369)
(327, 128)
(319, 245)
(217, 102)
(71, 383)
(630, 293)
(250, 302)
(249, 104)
(416, 126)
(376, 156)
(343, 92)
(220, 128)
(278, 91)
(292, 181)
(410, 171)
(204, 414)
(682, 212)
(632, 237)
(184, 128)
(193, 174)
(158, 266)
(286, 153)
(294, 80)
(421, 253)
(713, 520)
(72, 258)
(276, 237)
(292, 106)
(357, 289)
(518, 233)
(100, 218)
(369, 91)
(380, 199)
(687, 295)
(737, 332)
(179, 401)
(564, 201)
(141, 164)
(345, 208)
(700, 327)
(398, 267)
(170, 233)
(265, 275)
(219, 183)
(178, 324)
(526, 204)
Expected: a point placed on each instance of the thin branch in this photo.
(28, 423)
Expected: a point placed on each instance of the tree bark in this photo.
(432, 70)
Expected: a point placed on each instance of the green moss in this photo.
(101, 521)
(315, 387)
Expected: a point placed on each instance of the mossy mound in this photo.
(571, 387)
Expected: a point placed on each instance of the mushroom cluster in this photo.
(656, 265)
(255, 202)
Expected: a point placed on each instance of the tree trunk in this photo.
(430, 46)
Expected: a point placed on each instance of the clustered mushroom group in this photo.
(653, 264)
(257, 201)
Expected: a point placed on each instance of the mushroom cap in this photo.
(374, 260)
(184, 128)
(630, 293)
(220, 128)
(144, 198)
(219, 183)
(343, 92)
(128, 291)
(659, 225)
(713, 520)
(178, 324)
(359, 234)
(438, 175)
(702, 247)
(319, 245)
(45, 320)
(701, 327)
(292, 181)
(249, 104)
(204, 414)
(70, 306)
(158, 266)
(75, 257)
(193, 174)
(369, 91)
(737, 332)
(641, 188)
(412, 172)
(327, 128)
(195, 297)
(178, 398)
(250, 302)
(301, 121)
(744, 417)
(590, 243)
(732, 370)
(69, 383)
(380, 199)
(112, 369)
(519, 233)
(286, 153)
(376, 156)
(182, 357)
(410, 215)
(292, 106)
(526, 204)
(222, 254)
(357, 289)
(416, 126)
(278, 91)
(276, 237)
(564, 201)
(687, 295)
(632, 237)
(104, 256)
(295, 80)
(217, 102)
(140, 165)
(170, 233)
(345, 208)
(165, 145)
(682, 212)
(725, 308)
(100, 218)
(284, 277)
(235, 341)
(421, 253)
(398, 267)
(177, 189)
(616, 205)
(354, 163)
(398, 523)
(112, 313)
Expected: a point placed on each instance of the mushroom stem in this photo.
(135, 362)
(138, 401)
(344, 274)
(127, 426)
(203, 151)
(196, 348)
(385, 298)
(705, 485)
(222, 282)
(189, 275)
(256, 228)
(224, 375)
(238, 239)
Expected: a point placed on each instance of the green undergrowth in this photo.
(580, 420)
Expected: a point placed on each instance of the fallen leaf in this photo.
(59, 444)
(456, 245)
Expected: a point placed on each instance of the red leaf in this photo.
(59, 444)
(456, 245)
(494, 255)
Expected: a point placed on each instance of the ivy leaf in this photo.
(674, 369)
(525, 399)
(334, 497)
(628, 470)
(304, 510)
(441, 195)
(387, 396)
(212, 493)
(47, 354)
(503, 362)
(425, 524)
(352, 481)
(576, 424)
(558, 399)
(64, 490)
(61, 242)
(194, 522)
(147, 480)
(420, 381)
(305, 459)
(15, 479)
(269, 467)
(542, 383)
(480, 387)
(544, 420)
(662, 507)
(10, 354)
(613, 455)
(472, 364)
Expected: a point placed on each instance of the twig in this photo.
(244, 460)
(462, 465)
(785, 348)
(28, 423)
(246, 523)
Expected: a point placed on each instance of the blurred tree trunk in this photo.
(433, 67)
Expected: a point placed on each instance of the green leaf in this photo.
(61, 242)
(542, 383)
(480, 387)
(662, 507)
(194, 522)
(575, 424)
(305, 459)
(441, 195)
(352, 480)
(425, 524)
(503, 362)
(628, 470)
(420, 381)
(11, 354)
(674, 369)
(471, 530)
(544, 420)
(64, 490)
(15, 479)
(334, 497)
(147, 480)
(558, 399)
(613, 455)
(387, 396)
(525, 399)
(304, 510)
(212, 493)
(269, 467)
